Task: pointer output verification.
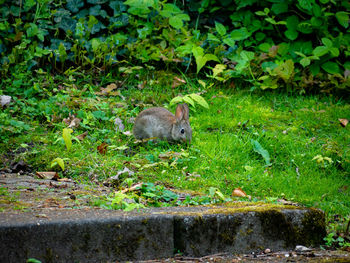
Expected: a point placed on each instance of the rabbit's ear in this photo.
(186, 110)
(182, 112)
(179, 113)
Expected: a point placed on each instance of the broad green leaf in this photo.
(32, 30)
(118, 7)
(95, 43)
(320, 51)
(331, 67)
(176, 100)
(291, 35)
(343, 18)
(229, 41)
(220, 28)
(29, 3)
(279, 8)
(334, 51)
(212, 57)
(305, 28)
(200, 61)
(200, 100)
(247, 55)
(67, 24)
(327, 42)
(188, 100)
(185, 49)
(197, 51)
(74, 5)
(212, 37)
(271, 20)
(259, 36)
(184, 17)
(264, 47)
(169, 10)
(260, 13)
(240, 34)
(176, 21)
(260, 150)
(66, 134)
(316, 10)
(58, 161)
(306, 4)
(305, 62)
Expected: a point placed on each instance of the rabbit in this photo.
(162, 124)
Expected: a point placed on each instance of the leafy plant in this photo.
(260, 150)
(190, 99)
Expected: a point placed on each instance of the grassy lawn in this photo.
(292, 129)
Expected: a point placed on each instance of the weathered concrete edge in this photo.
(92, 236)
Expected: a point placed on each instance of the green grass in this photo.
(293, 129)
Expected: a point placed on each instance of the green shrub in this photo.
(293, 44)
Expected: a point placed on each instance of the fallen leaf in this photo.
(127, 133)
(115, 180)
(102, 148)
(64, 180)
(132, 188)
(47, 175)
(343, 122)
(41, 215)
(239, 192)
(273, 51)
(5, 100)
(169, 155)
(177, 82)
(82, 136)
(72, 121)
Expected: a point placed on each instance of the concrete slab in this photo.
(95, 235)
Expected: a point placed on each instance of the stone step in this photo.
(95, 235)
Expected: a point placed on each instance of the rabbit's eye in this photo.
(182, 131)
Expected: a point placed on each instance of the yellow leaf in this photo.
(67, 137)
(58, 161)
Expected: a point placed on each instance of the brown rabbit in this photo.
(162, 124)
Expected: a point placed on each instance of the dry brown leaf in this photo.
(82, 136)
(239, 192)
(343, 122)
(273, 51)
(177, 82)
(72, 121)
(64, 180)
(47, 175)
(169, 155)
(102, 148)
(132, 188)
(109, 90)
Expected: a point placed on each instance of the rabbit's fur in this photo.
(162, 124)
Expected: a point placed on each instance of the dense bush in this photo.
(302, 44)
